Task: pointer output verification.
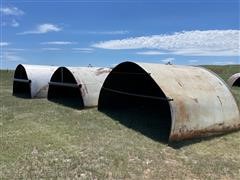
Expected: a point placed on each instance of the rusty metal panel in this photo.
(90, 80)
(202, 103)
(39, 76)
(233, 79)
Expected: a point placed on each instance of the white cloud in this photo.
(168, 60)
(2, 44)
(15, 49)
(150, 53)
(119, 32)
(14, 58)
(13, 11)
(42, 29)
(83, 50)
(51, 49)
(14, 23)
(187, 43)
(11, 56)
(224, 62)
(59, 43)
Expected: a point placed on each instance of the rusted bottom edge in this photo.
(193, 134)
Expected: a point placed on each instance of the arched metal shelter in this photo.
(191, 101)
(32, 80)
(234, 80)
(77, 86)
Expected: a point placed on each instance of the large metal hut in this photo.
(32, 80)
(234, 80)
(78, 87)
(184, 101)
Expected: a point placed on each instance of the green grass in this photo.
(224, 71)
(42, 139)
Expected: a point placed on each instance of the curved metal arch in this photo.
(62, 71)
(233, 79)
(202, 104)
(38, 77)
(18, 69)
(89, 80)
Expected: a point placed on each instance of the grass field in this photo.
(42, 139)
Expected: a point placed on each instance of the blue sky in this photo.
(104, 33)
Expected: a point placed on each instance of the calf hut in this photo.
(77, 87)
(234, 80)
(184, 101)
(31, 81)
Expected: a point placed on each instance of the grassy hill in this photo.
(224, 71)
(42, 139)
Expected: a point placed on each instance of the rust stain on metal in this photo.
(90, 80)
(212, 130)
(205, 106)
(100, 71)
(183, 111)
(38, 76)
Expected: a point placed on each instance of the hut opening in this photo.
(237, 82)
(63, 89)
(234, 80)
(21, 83)
(130, 96)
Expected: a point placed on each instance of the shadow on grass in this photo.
(73, 103)
(22, 95)
(152, 124)
(146, 121)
